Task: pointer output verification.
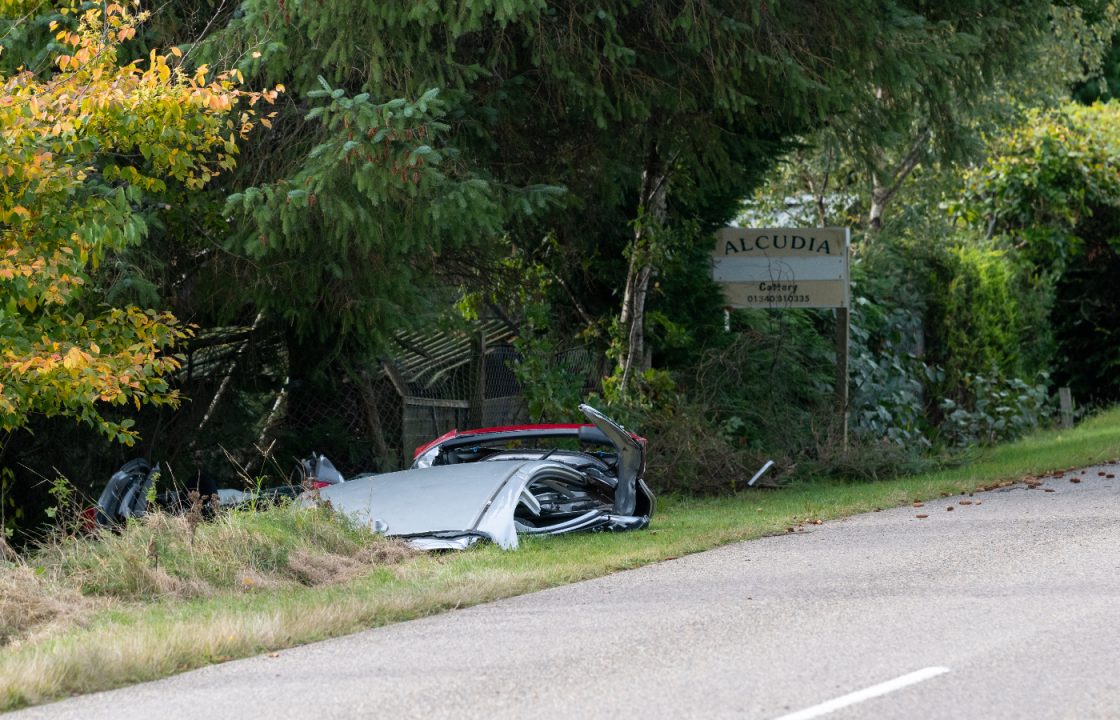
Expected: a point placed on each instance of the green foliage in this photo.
(983, 314)
(1051, 191)
(888, 381)
(523, 288)
(999, 409)
(1086, 305)
(928, 318)
(1045, 178)
(352, 234)
(689, 452)
(775, 375)
(551, 392)
(1105, 87)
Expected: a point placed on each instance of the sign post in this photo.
(790, 268)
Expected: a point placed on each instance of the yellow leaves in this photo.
(75, 359)
(55, 132)
(68, 38)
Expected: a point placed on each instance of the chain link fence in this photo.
(367, 419)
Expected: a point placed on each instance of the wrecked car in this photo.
(465, 486)
(129, 492)
(496, 483)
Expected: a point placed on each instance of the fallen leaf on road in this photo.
(966, 502)
(274, 654)
(950, 508)
(1075, 480)
(918, 504)
(921, 517)
(1049, 490)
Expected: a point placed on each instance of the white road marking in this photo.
(866, 694)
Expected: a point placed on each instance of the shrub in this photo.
(998, 409)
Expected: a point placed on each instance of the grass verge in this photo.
(166, 628)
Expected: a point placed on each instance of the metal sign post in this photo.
(771, 268)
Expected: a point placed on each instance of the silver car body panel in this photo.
(631, 459)
(452, 506)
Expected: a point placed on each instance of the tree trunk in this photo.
(879, 199)
(651, 218)
(882, 193)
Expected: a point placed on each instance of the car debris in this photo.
(129, 492)
(497, 483)
(488, 484)
(769, 464)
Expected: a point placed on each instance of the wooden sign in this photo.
(782, 267)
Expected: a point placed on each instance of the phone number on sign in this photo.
(777, 299)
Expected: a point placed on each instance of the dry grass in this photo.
(162, 557)
(32, 605)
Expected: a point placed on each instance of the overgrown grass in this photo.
(145, 634)
(180, 557)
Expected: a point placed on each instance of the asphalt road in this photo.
(1004, 608)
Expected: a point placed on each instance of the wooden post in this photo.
(1065, 399)
(843, 338)
(843, 334)
(478, 397)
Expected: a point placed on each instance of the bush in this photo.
(999, 409)
(689, 452)
(888, 381)
(985, 312)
